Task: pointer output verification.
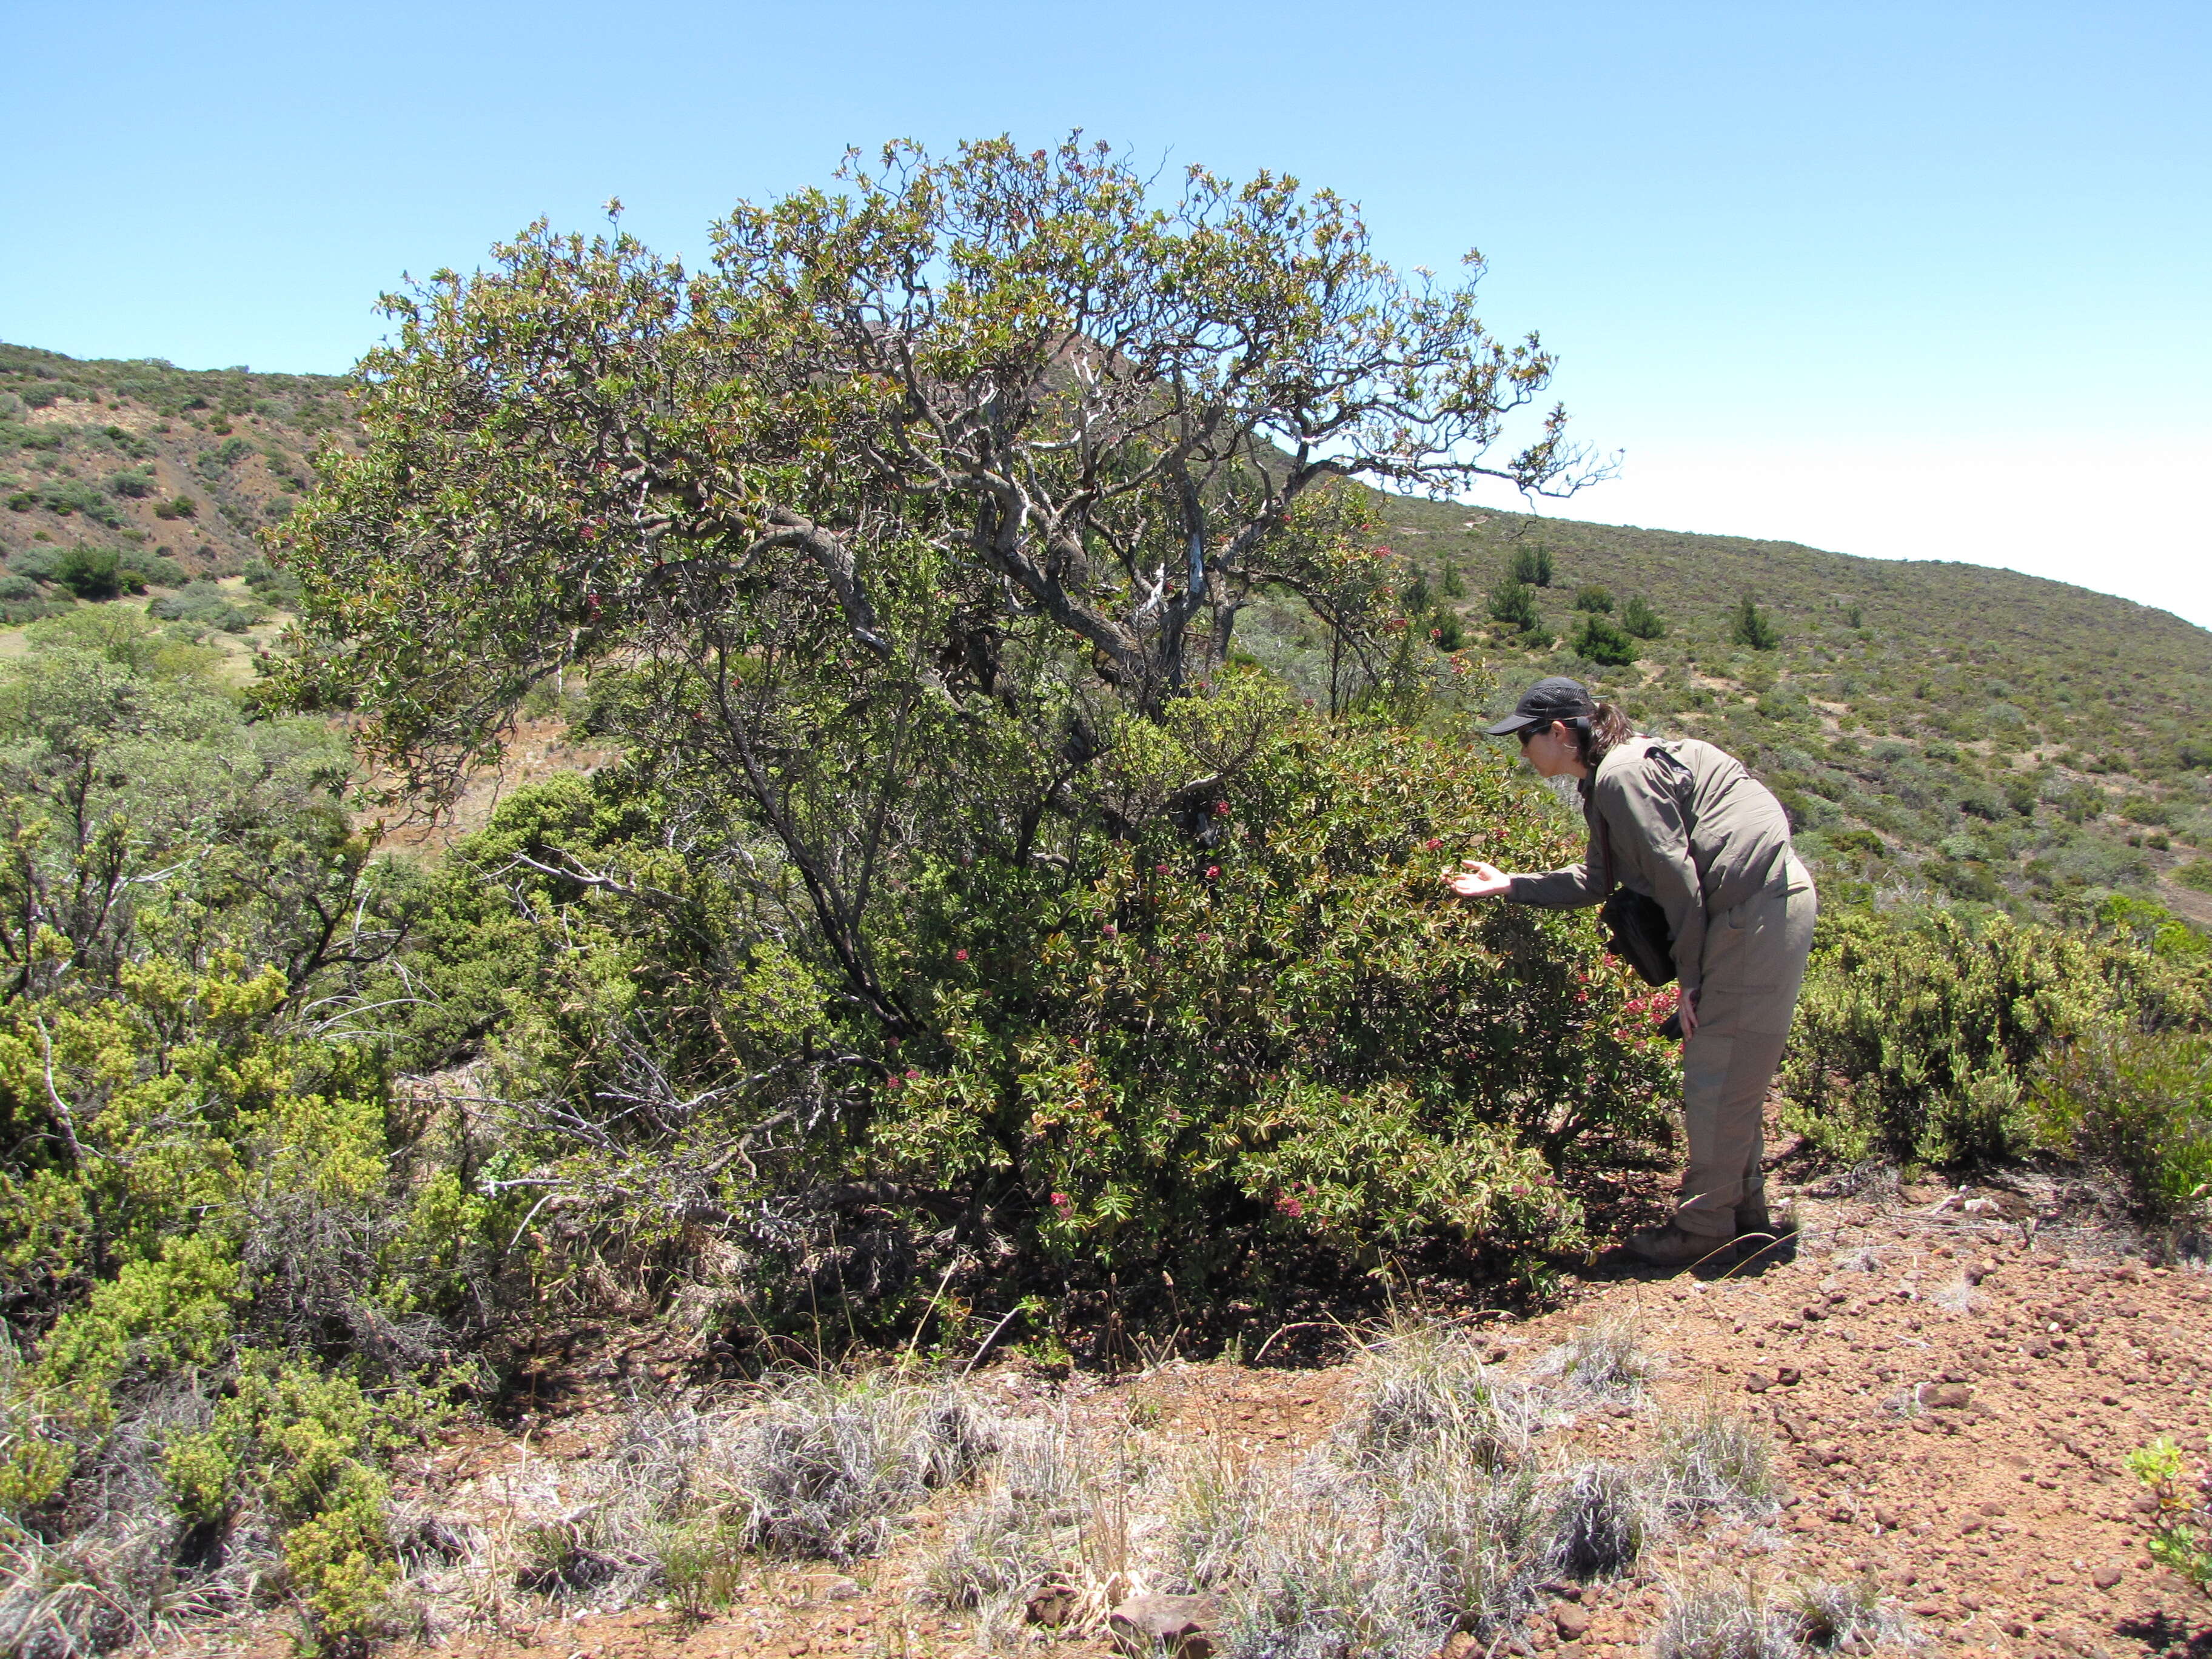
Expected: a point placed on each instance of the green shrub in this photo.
(1513, 602)
(1600, 640)
(2181, 1520)
(1921, 1038)
(2197, 875)
(1860, 841)
(1285, 1033)
(1751, 627)
(97, 573)
(1533, 565)
(2138, 1103)
(156, 569)
(65, 496)
(1638, 618)
(1444, 628)
(204, 604)
(136, 485)
(1593, 598)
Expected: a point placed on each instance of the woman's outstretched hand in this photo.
(1477, 880)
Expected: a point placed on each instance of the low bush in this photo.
(272, 585)
(1752, 627)
(1920, 1037)
(1640, 620)
(1531, 565)
(1513, 603)
(1602, 641)
(155, 570)
(2139, 1104)
(204, 604)
(97, 573)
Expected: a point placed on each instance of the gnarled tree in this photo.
(889, 518)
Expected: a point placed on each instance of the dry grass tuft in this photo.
(1606, 1359)
(1726, 1616)
(1422, 1390)
(1707, 1458)
(822, 1467)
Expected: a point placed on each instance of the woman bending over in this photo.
(1683, 823)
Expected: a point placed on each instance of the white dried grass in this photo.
(1605, 1359)
(1706, 1459)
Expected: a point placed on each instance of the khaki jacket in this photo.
(1689, 828)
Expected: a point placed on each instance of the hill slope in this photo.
(145, 455)
(1943, 726)
(1992, 734)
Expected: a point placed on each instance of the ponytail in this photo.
(1599, 734)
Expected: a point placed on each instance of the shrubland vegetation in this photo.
(144, 460)
(1011, 916)
(1936, 730)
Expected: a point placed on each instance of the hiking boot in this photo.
(1759, 1234)
(1671, 1247)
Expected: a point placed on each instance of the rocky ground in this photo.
(1948, 1394)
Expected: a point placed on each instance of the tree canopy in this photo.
(1088, 406)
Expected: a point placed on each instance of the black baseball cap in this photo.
(1556, 698)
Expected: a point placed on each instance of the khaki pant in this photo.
(1754, 964)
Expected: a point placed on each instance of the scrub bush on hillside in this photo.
(1924, 1038)
(1212, 1030)
(223, 1278)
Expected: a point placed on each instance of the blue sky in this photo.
(1923, 281)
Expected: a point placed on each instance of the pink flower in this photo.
(1159, 869)
(960, 956)
(1212, 871)
(1062, 1203)
(1432, 843)
(1289, 1206)
(1111, 930)
(1221, 808)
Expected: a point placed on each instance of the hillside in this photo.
(142, 455)
(1939, 726)
(1944, 725)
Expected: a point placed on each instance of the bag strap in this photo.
(1677, 772)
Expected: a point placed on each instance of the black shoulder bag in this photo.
(1635, 926)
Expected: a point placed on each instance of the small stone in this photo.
(1052, 1607)
(1570, 1621)
(1758, 1382)
(1885, 1517)
(1948, 1397)
(2108, 1575)
(1788, 1377)
(1183, 1625)
(1459, 1645)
